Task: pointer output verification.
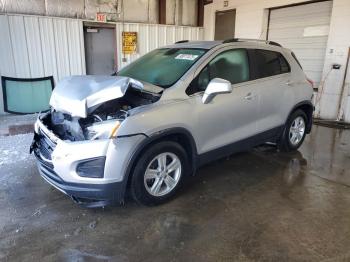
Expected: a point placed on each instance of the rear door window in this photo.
(270, 63)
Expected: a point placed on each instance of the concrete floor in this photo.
(16, 124)
(257, 206)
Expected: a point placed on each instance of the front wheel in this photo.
(159, 173)
(294, 132)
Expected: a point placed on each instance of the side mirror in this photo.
(215, 87)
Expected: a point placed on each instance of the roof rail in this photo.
(181, 41)
(232, 40)
(274, 43)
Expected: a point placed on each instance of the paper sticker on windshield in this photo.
(186, 57)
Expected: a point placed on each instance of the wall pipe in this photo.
(340, 114)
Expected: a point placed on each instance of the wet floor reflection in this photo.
(262, 205)
(294, 169)
(327, 152)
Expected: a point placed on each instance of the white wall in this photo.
(181, 12)
(339, 42)
(145, 11)
(251, 16)
(152, 36)
(251, 22)
(178, 12)
(189, 12)
(34, 46)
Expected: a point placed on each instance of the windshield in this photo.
(162, 67)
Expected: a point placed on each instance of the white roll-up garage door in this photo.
(304, 29)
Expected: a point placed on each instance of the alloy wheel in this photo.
(162, 174)
(297, 131)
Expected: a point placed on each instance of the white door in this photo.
(225, 24)
(303, 29)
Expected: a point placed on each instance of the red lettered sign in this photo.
(101, 17)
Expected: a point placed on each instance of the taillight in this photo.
(310, 82)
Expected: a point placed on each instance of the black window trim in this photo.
(296, 59)
(286, 60)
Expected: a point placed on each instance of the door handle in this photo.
(249, 96)
(289, 83)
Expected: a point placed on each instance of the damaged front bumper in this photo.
(88, 195)
(58, 160)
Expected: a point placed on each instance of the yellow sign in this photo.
(129, 42)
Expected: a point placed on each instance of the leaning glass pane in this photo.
(25, 96)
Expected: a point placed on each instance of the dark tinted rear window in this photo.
(270, 63)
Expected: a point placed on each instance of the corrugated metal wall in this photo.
(153, 36)
(33, 46)
(36, 46)
(39, 46)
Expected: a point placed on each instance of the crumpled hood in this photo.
(79, 95)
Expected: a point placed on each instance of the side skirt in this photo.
(244, 145)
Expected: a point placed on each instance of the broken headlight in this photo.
(102, 130)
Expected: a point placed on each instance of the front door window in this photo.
(231, 65)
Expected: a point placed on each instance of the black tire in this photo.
(284, 143)
(138, 188)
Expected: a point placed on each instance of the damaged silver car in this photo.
(157, 120)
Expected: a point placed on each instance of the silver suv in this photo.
(152, 124)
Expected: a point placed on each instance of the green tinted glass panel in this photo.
(27, 96)
(231, 65)
(162, 67)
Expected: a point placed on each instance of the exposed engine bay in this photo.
(101, 119)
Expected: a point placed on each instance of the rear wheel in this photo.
(159, 173)
(294, 132)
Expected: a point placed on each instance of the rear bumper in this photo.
(88, 195)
